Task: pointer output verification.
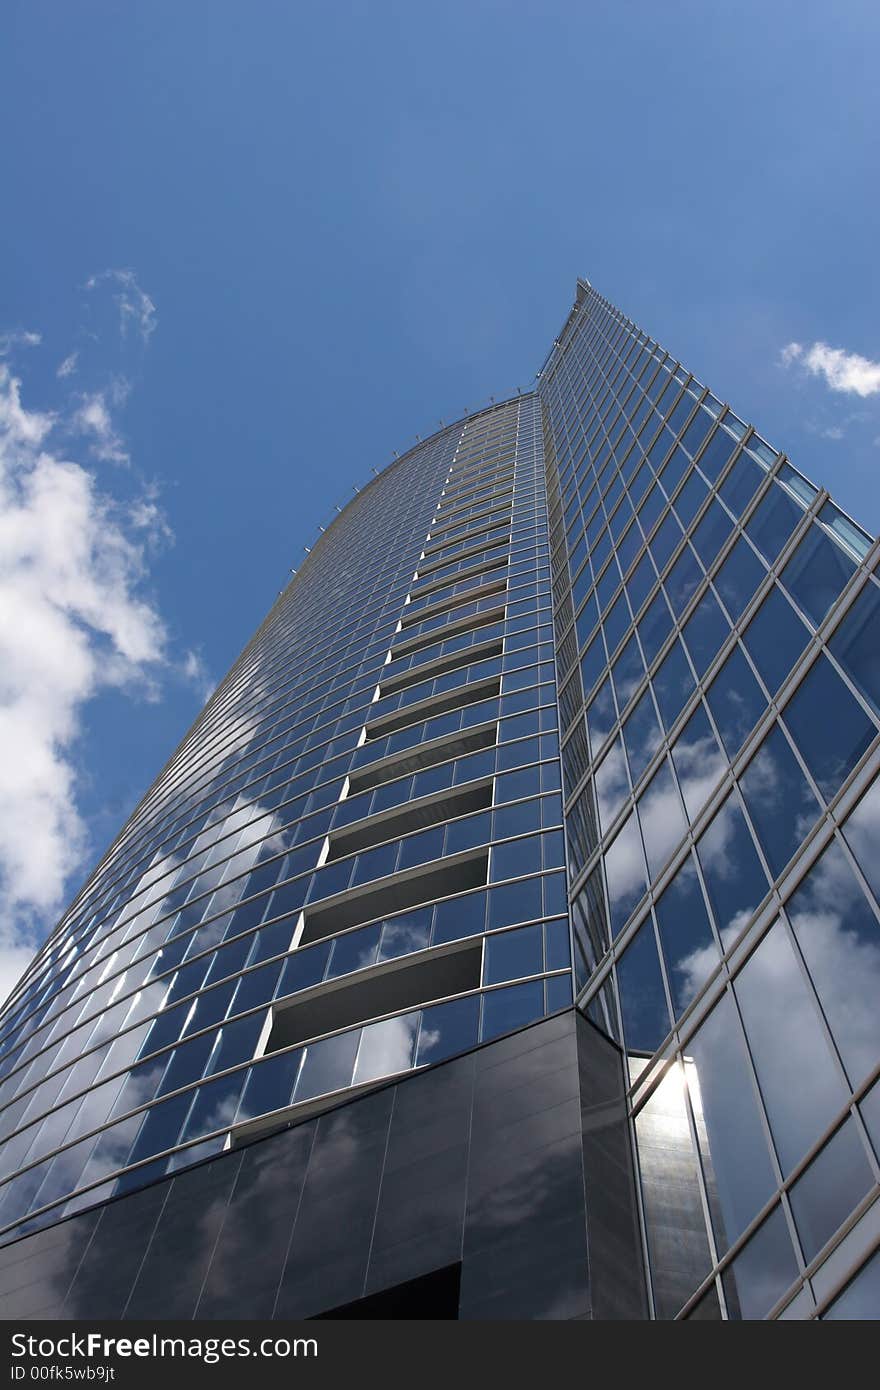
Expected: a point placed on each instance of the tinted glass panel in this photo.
(856, 644)
(779, 799)
(642, 998)
(736, 701)
(689, 946)
(830, 727)
(816, 573)
(775, 639)
(735, 881)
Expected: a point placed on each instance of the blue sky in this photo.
(273, 242)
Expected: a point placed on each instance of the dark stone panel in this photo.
(36, 1273)
(512, 1162)
(113, 1257)
(171, 1277)
(252, 1243)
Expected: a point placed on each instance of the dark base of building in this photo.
(498, 1184)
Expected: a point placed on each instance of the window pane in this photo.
(736, 701)
(861, 1297)
(642, 735)
(773, 521)
(735, 881)
(698, 761)
(513, 955)
(762, 1272)
(642, 999)
(788, 1045)
(705, 631)
(654, 626)
(736, 1159)
(862, 831)
(688, 943)
(738, 578)
(662, 818)
(856, 644)
(710, 535)
(775, 639)
(816, 573)
(513, 1007)
(601, 717)
(673, 684)
(447, 1029)
(830, 728)
(386, 1047)
(625, 871)
(627, 671)
(612, 787)
(835, 1182)
(840, 940)
(683, 581)
(779, 799)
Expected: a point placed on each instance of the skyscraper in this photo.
(502, 939)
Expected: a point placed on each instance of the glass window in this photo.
(515, 902)
(830, 727)
(710, 535)
(778, 798)
(705, 631)
(856, 645)
(386, 1048)
(862, 831)
(665, 541)
(741, 484)
(675, 1226)
(683, 581)
(627, 671)
(835, 1182)
(775, 639)
(354, 951)
(861, 1297)
(411, 931)
(447, 1029)
(698, 761)
(601, 717)
(640, 582)
(662, 818)
(612, 787)
(593, 663)
(625, 872)
(738, 578)
(513, 955)
(616, 622)
(762, 1271)
(643, 1007)
(642, 735)
(736, 1159)
(690, 499)
(510, 1008)
(788, 1045)
(673, 684)
(654, 626)
(459, 917)
(816, 573)
(716, 454)
(773, 521)
(735, 881)
(839, 938)
(327, 1065)
(736, 701)
(689, 946)
(557, 947)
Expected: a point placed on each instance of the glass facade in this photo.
(718, 629)
(574, 707)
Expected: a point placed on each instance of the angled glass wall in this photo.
(353, 866)
(718, 638)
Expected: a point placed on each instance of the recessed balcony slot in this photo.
(424, 755)
(395, 894)
(454, 627)
(496, 561)
(453, 661)
(387, 991)
(421, 710)
(411, 616)
(416, 815)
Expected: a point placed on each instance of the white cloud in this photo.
(196, 673)
(843, 371)
(68, 366)
(71, 622)
(12, 338)
(136, 308)
(93, 418)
